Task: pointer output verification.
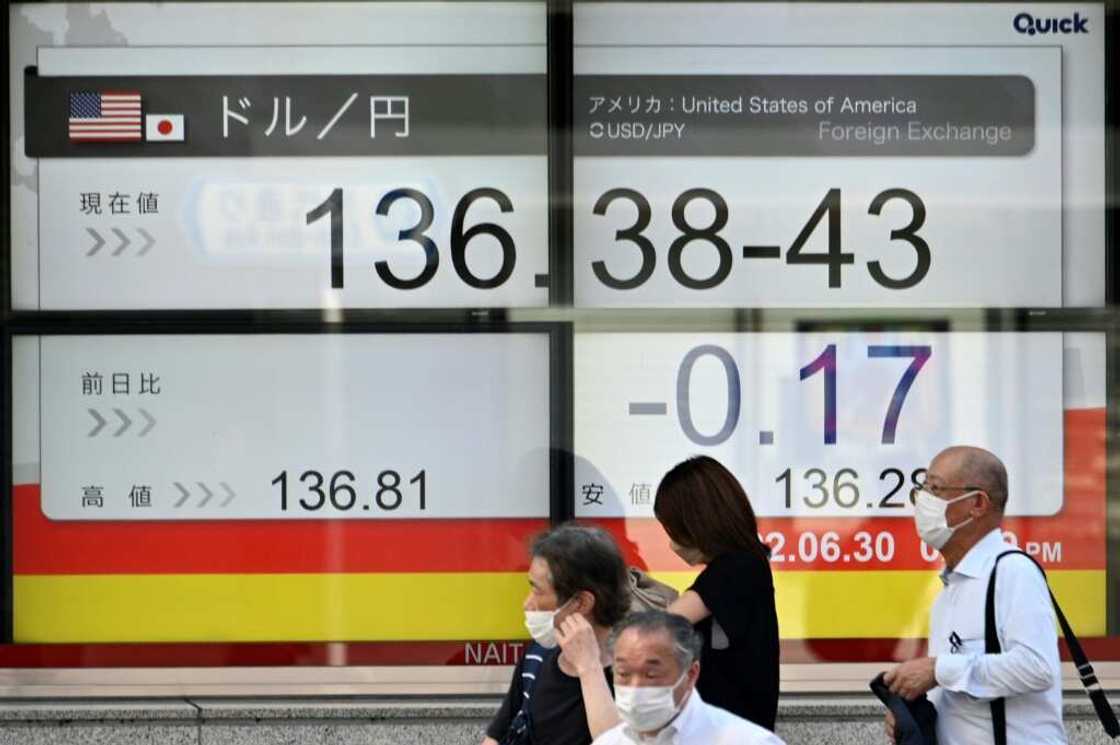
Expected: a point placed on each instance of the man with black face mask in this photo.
(958, 511)
(656, 661)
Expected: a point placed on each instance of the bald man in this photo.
(958, 511)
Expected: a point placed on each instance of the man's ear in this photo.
(585, 602)
(694, 672)
(986, 500)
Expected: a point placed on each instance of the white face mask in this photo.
(647, 708)
(542, 625)
(930, 520)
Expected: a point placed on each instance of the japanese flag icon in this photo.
(164, 128)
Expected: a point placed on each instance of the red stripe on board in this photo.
(835, 544)
(275, 654)
(42, 546)
(295, 654)
(299, 654)
(1079, 528)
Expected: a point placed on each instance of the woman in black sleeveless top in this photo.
(709, 519)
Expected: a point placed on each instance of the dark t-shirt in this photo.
(555, 705)
(739, 662)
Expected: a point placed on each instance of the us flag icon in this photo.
(105, 116)
(164, 128)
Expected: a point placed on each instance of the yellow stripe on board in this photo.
(895, 604)
(416, 607)
(268, 607)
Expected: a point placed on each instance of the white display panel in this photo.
(692, 109)
(760, 403)
(236, 235)
(349, 426)
(277, 190)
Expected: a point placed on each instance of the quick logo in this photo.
(1025, 23)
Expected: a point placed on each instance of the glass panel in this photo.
(827, 432)
(279, 488)
(291, 155)
(838, 154)
(320, 311)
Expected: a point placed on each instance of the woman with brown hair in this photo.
(709, 519)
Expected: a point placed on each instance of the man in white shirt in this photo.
(958, 511)
(656, 661)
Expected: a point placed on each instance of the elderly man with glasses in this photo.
(958, 511)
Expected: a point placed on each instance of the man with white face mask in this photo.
(560, 695)
(958, 511)
(656, 661)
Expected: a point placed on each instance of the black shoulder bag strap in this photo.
(521, 726)
(1084, 667)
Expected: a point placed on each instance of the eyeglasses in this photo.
(914, 490)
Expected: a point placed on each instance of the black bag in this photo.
(915, 722)
(520, 730)
(1084, 667)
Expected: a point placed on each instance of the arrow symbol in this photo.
(209, 494)
(151, 423)
(100, 423)
(228, 491)
(149, 241)
(182, 500)
(96, 246)
(124, 241)
(126, 423)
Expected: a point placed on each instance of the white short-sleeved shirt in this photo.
(699, 723)
(1027, 674)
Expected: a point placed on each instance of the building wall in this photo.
(803, 720)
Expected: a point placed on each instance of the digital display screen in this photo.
(307, 155)
(828, 432)
(272, 487)
(839, 154)
(317, 304)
